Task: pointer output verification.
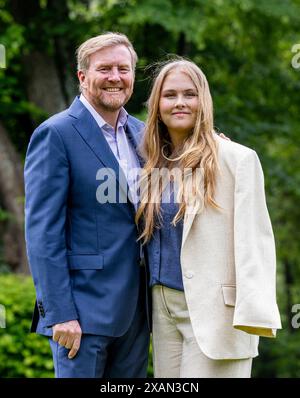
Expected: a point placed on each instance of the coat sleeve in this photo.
(256, 310)
(46, 193)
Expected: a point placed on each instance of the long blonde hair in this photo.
(199, 151)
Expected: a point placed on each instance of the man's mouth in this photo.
(113, 89)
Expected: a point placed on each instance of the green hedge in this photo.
(23, 354)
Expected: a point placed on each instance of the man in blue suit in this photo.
(83, 251)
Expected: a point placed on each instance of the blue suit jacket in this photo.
(83, 255)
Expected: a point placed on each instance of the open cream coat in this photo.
(228, 261)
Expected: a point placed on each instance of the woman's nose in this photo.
(180, 101)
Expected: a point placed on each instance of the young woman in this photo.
(210, 245)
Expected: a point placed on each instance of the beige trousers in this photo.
(176, 353)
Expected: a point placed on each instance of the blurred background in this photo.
(248, 51)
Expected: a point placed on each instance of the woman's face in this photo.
(178, 105)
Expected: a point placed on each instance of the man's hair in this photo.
(105, 40)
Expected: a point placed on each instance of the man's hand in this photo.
(68, 334)
(222, 135)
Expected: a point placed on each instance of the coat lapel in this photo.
(135, 136)
(189, 217)
(87, 127)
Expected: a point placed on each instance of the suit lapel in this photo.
(189, 217)
(87, 127)
(135, 136)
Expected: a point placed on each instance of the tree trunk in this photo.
(47, 77)
(183, 47)
(11, 198)
(49, 86)
(49, 66)
(42, 82)
(64, 48)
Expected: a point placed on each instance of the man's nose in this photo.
(114, 75)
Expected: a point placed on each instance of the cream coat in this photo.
(228, 261)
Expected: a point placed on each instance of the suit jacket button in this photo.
(189, 274)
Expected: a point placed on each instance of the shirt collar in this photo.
(122, 118)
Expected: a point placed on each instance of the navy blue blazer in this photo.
(83, 255)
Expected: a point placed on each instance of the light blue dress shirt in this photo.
(120, 146)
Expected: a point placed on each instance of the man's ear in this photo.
(81, 78)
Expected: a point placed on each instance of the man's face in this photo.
(108, 82)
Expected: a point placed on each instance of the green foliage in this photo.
(4, 215)
(28, 355)
(243, 47)
(278, 358)
(22, 354)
